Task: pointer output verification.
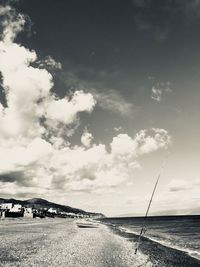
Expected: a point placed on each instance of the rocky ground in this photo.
(59, 242)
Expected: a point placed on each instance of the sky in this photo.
(97, 99)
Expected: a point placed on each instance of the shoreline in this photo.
(189, 253)
(158, 252)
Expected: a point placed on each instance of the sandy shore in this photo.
(59, 242)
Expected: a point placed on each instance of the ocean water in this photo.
(169, 240)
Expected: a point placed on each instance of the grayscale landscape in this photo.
(99, 133)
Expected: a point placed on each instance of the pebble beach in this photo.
(59, 242)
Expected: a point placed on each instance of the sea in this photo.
(168, 241)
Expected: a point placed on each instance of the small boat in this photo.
(86, 224)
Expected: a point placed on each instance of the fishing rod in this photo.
(143, 229)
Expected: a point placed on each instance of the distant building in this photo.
(11, 210)
(52, 210)
(16, 208)
(6, 206)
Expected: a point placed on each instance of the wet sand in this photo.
(59, 242)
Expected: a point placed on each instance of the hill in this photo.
(39, 203)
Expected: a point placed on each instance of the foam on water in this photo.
(174, 237)
(192, 253)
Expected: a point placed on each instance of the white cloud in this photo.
(106, 98)
(86, 138)
(118, 129)
(150, 143)
(28, 91)
(65, 110)
(78, 168)
(156, 94)
(180, 196)
(24, 86)
(159, 90)
(93, 168)
(18, 157)
(143, 142)
(35, 124)
(12, 22)
(178, 185)
(50, 62)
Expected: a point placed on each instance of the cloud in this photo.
(159, 90)
(32, 111)
(86, 138)
(180, 196)
(11, 177)
(12, 23)
(156, 94)
(24, 86)
(95, 167)
(28, 90)
(178, 185)
(35, 149)
(118, 129)
(65, 110)
(49, 62)
(94, 82)
(112, 100)
(143, 143)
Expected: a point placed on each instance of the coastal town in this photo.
(11, 210)
(41, 208)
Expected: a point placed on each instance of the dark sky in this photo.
(128, 46)
(148, 39)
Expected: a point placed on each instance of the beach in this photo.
(168, 241)
(59, 242)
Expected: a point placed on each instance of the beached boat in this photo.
(86, 224)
